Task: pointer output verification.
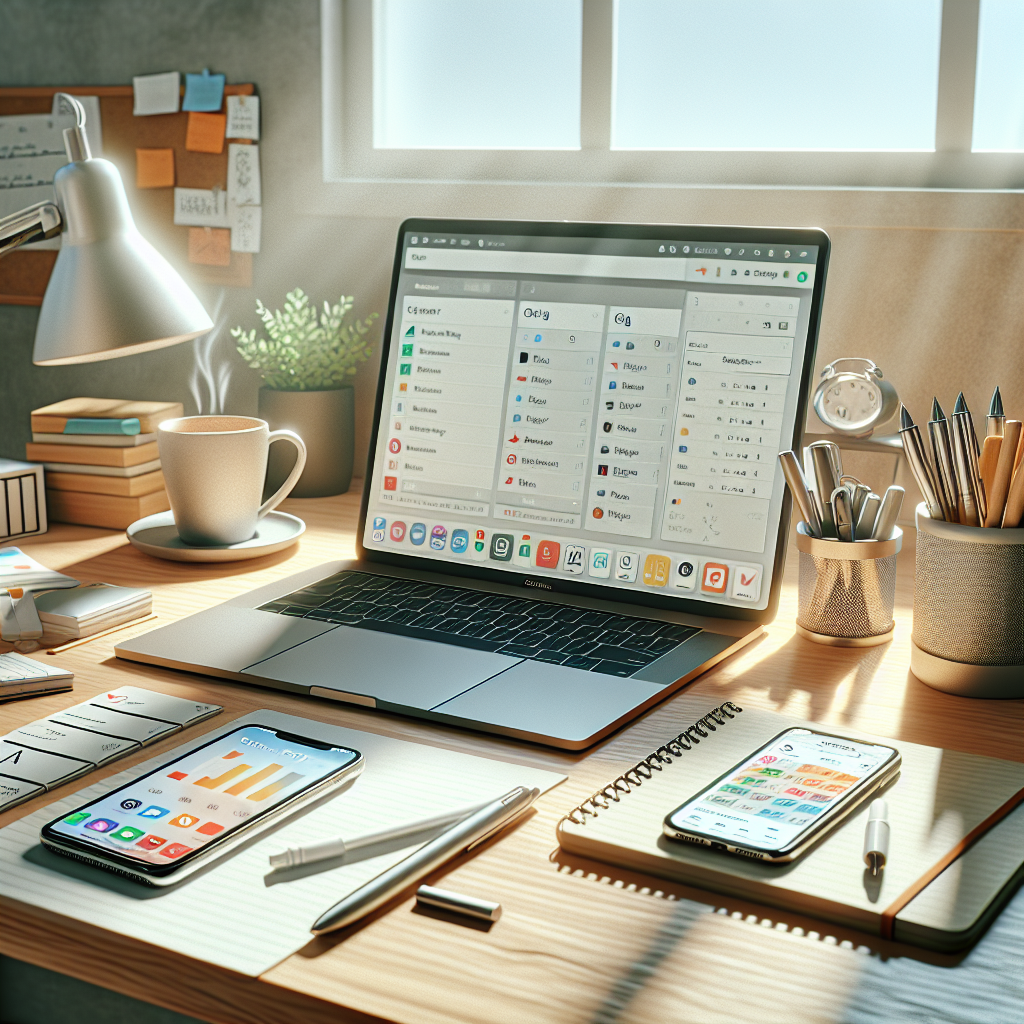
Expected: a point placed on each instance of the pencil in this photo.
(989, 457)
(1014, 501)
(1003, 473)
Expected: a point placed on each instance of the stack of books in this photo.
(89, 609)
(101, 459)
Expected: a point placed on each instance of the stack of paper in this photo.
(70, 614)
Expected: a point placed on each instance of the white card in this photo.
(245, 227)
(133, 700)
(14, 791)
(67, 741)
(201, 208)
(47, 770)
(244, 174)
(112, 723)
(157, 94)
(243, 117)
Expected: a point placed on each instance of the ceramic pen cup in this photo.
(968, 636)
(847, 589)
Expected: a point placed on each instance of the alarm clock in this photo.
(853, 398)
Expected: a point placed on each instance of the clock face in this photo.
(850, 403)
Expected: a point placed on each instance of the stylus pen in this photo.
(801, 495)
(297, 855)
(942, 452)
(825, 482)
(424, 860)
(917, 457)
(876, 836)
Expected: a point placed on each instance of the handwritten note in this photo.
(243, 117)
(31, 151)
(245, 227)
(243, 174)
(200, 207)
(157, 94)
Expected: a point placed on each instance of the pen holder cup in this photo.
(847, 590)
(968, 636)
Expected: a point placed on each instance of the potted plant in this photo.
(307, 361)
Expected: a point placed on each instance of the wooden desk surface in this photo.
(579, 941)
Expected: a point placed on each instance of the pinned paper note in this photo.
(154, 168)
(156, 94)
(203, 92)
(243, 117)
(31, 151)
(93, 122)
(200, 207)
(245, 224)
(243, 174)
(205, 133)
(210, 246)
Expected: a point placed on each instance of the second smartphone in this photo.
(165, 825)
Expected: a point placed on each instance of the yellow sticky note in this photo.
(154, 168)
(205, 132)
(211, 246)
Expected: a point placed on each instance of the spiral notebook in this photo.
(956, 848)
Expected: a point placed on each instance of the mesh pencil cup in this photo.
(847, 590)
(968, 634)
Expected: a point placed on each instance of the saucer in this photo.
(158, 536)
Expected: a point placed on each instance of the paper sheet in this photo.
(245, 227)
(240, 915)
(200, 207)
(31, 151)
(243, 117)
(244, 174)
(203, 92)
(157, 94)
(205, 133)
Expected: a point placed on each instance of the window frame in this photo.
(349, 156)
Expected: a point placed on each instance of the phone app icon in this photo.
(184, 820)
(175, 850)
(394, 446)
(151, 842)
(600, 563)
(127, 834)
(77, 818)
(626, 565)
(130, 804)
(391, 483)
(524, 550)
(501, 546)
(211, 828)
(417, 533)
(685, 577)
(397, 531)
(407, 351)
(438, 537)
(379, 523)
(152, 811)
(574, 559)
(102, 825)
(404, 369)
(746, 582)
(548, 552)
(460, 541)
(716, 576)
(656, 570)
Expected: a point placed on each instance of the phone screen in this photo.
(202, 796)
(782, 790)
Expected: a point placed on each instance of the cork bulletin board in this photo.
(24, 275)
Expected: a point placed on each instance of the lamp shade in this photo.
(111, 293)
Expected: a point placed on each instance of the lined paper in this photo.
(239, 914)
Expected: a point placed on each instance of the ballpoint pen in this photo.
(825, 481)
(942, 451)
(913, 448)
(801, 495)
(996, 418)
(962, 416)
(888, 513)
(459, 837)
(834, 454)
(966, 491)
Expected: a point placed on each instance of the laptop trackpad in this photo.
(392, 669)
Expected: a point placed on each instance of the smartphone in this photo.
(774, 804)
(165, 825)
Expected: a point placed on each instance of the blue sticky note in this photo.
(203, 92)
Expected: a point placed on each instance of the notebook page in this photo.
(234, 915)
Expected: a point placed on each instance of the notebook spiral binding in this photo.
(640, 773)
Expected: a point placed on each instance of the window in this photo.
(999, 89)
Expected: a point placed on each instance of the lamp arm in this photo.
(33, 224)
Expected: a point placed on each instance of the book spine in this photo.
(92, 483)
(97, 426)
(112, 512)
(88, 455)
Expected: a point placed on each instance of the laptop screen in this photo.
(602, 410)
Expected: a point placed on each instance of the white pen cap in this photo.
(876, 835)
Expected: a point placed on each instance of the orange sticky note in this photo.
(205, 132)
(154, 168)
(211, 246)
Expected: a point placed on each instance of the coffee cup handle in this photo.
(300, 464)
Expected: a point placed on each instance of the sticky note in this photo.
(211, 246)
(154, 168)
(245, 227)
(243, 174)
(205, 133)
(157, 94)
(203, 92)
(243, 117)
(200, 207)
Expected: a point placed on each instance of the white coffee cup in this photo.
(214, 467)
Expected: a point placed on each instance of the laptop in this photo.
(573, 503)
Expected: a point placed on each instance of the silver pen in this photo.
(964, 477)
(825, 481)
(459, 837)
(888, 513)
(842, 513)
(917, 457)
(834, 454)
(963, 414)
(868, 515)
(801, 495)
(942, 452)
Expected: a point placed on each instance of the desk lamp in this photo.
(111, 293)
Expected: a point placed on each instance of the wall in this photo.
(927, 284)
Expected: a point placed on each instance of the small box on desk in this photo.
(22, 500)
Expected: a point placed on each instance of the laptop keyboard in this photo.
(617, 645)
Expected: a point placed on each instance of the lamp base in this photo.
(1002, 682)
